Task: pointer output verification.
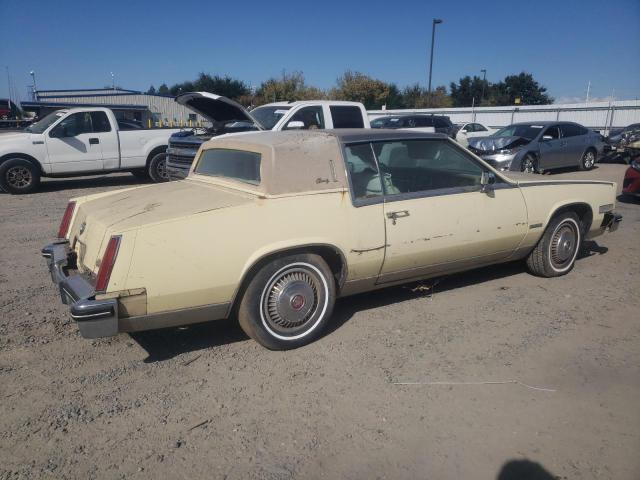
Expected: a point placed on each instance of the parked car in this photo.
(620, 140)
(536, 147)
(417, 123)
(272, 227)
(631, 183)
(473, 130)
(229, 117)
(77, 141)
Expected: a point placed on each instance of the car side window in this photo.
(345, 116)
(553, 132)
(312, 117)
(570, 130)
(73, 125)
(100, 122)
(479, 128)
(410, 166)
(363, 172)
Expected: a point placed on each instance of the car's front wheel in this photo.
(529, 164)
(555, 254)
(18, 175)
(288, 302)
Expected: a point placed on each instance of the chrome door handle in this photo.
(396, 215)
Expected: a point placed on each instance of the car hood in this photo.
(489, 144)
(12, 136)
(216, 108)
(138, 207)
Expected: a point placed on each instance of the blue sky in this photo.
(564, 44)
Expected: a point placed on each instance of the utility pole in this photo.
(588, 91)
(484, 82)
(113, 81)
(433, 36)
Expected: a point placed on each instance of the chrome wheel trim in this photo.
(564, 245)
(589, 159)
(528, 165)
(161, 169)
(18, 176)
(279, 301)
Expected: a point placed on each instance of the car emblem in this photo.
(82, 227)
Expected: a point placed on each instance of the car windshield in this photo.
(526, 131)
(41, 125)
(237, 165)
(269, 116)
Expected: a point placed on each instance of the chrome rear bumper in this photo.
(95, 318)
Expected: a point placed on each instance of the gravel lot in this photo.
(206, 402)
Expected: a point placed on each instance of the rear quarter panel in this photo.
(136, 145)
(201, 259)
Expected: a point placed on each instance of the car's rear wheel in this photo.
(158, 168)
(529, 164)
(288, 302)
(555, 254)
(588, 160)
(18, 175)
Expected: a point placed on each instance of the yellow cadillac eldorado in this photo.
(271, 227)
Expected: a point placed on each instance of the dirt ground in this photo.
(206, 402)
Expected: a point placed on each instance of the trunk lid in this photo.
(133, 208)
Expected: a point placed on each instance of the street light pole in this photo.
(35, 87)
(484, 82)
(433, 36)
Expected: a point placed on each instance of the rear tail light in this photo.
(106, 265)
(66, 220)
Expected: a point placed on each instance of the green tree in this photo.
(163, 89)
(468, 91)
(415, 96)
(358, 87)
(522, 86)
(289, 87)
(152, 90)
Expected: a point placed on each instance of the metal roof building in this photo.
(126, 104)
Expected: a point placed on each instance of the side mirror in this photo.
(546, 138)
(295, 125)
(487, 180)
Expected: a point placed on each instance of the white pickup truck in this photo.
(229, 118)
(80, 141)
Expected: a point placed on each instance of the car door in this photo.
(551, 148)
(575, 143)
(72, 145)
(437, 217)
(307, 118)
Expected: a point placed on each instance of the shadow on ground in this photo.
(55, 184)
(165, 344)
(524, 470)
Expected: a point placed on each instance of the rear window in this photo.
(346, 116)
(441, 122)
(237, 165)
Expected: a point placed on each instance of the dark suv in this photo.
(440, 123)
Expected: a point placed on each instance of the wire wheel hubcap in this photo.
(19, 177)
(563, 244)
(290, 300)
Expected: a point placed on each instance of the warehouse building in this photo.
(146, 109)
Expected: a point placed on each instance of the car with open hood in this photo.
(271, 227)
(540, 146)
(229, 117)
